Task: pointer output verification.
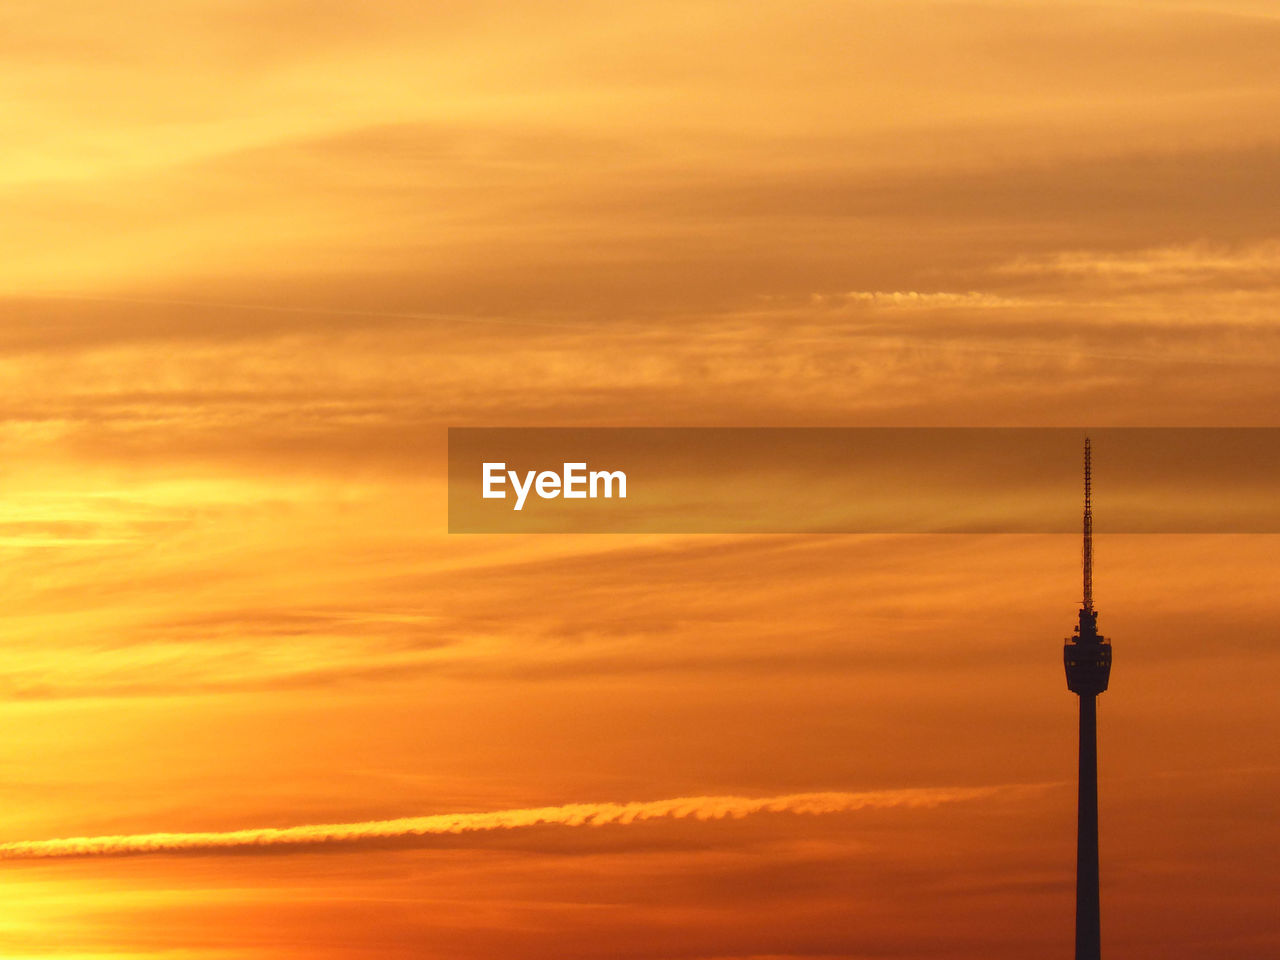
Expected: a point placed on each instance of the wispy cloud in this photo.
(1157, 264)
(917, 298)
(569, 815)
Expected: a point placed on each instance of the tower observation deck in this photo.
(1087, 658)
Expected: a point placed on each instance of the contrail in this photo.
(569, 815)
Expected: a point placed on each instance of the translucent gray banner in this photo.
(861, 480)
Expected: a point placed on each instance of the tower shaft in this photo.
(1088, 913)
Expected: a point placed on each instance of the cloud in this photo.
(917, 298)
(1166, 264)
(414, 829)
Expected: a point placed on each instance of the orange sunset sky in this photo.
(256, 258)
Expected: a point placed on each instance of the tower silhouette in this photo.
(1087, 657)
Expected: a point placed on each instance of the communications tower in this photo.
(1087, 657)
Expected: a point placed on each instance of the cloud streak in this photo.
(1168, 264)
(452, 824)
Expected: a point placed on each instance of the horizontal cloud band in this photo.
(569, 815)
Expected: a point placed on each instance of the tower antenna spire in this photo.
(1088, 527)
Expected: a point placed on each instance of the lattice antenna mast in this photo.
(1088, 527)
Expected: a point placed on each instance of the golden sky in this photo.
(258, 257)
